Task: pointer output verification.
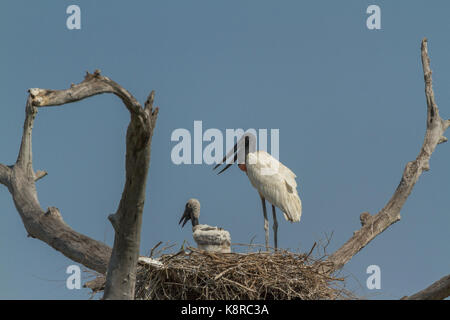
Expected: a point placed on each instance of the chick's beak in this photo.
(185, 217)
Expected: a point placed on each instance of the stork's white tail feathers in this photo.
(292, 209)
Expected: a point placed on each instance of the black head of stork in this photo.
(191, 212)
(245, 145)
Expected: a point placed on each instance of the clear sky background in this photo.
(349, 103)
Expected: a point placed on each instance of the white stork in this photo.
(274, 181)
(208, 238)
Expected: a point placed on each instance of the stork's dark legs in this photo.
(266, 221)
(275, 228)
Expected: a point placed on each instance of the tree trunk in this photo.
(120, 263)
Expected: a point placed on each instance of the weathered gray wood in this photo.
(437, 291)
(120, 262)
(127, 221)
(5, 173)
(50, 228)
(374, 225)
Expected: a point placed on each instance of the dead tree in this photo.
(120, 262)
(376, 224)
(49, 227)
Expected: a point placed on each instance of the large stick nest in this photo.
(194, 274)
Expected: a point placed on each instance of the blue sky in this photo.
(349, 103)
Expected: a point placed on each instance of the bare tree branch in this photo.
(437, 291)
(127, 221)
(25, 158)
(374, 225)
(98, 283)
(93, 84)
(39, 175)
(49, 225)
(5, 174)
(52, 229)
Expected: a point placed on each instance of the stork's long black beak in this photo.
(239, 151)
(228, 155)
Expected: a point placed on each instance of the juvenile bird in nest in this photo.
(213, 239)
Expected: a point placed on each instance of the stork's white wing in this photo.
(275, 182)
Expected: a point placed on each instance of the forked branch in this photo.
(374, 225)
(49, 226)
